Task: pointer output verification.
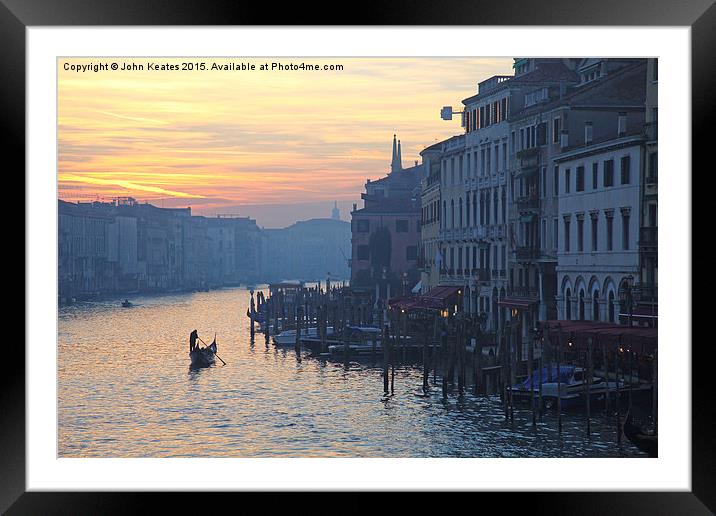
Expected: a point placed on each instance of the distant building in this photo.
(386, 231)
(335, 213)
(236, 253)
(308, 250)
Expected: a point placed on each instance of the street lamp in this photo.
(405, 283)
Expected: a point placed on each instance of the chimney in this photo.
(564, 139)
(621, 123)
(355, 206)
(588, 133)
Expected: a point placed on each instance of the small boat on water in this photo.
(203, 357)
(288, 337)
(640, 434)
(126, 303)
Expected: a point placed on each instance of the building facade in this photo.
(532, 211)
(385, 232)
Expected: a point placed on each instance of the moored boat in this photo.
(570, 388)
(640, 434)
(288, 337)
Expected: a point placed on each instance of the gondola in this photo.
(640, 437)
(126, 303)
(203, 357)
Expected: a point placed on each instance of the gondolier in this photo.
(193, 336)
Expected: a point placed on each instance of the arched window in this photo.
(610, 307)
(467, 210)
(452, 213)
(595, 306)
(460, 212)
(581, 305)
(568, 304)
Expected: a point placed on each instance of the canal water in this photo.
(125, 389)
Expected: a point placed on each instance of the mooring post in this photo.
(426, 366)
(589, 387)
(386, 346)
(655, 391)
(617, 398)
(252, 314)
(559, 379)
(298, 332)
(540, 364)
(391, 355)
(530, 375)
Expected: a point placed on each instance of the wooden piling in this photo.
(530, 375)
(559, 380)
(655, 391)
(386, 346)
(589, 386)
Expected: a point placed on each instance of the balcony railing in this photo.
(525, 292)
(528, 202)
(527, 253)
(648, 236)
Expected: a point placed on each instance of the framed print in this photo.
(402, 255)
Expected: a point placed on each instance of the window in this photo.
(610, 231)
(542, 134)
(595, 175)
(363, 226)
(555, 235)
(580, 234)
(555, 131)
(362, 252)
(608, 173)
(653, 168)
(566, 180)
(625, 162)
(566, 235)
(556, 181)
(580, 179)
(543, 186)
(411, 252)
(595, 227)
(625, 229)
(401, 226)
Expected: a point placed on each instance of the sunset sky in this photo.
(278, 146)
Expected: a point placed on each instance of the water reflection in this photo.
(117, 400)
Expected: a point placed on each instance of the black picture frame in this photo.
(17, 15)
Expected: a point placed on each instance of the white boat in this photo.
(570, 388)
(288, 337)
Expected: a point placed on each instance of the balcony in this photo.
(530, 293)
(648, 237)
(481, 275)
(527, 202)
(525, 253)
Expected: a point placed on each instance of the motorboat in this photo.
(288, 337)
(570, 387)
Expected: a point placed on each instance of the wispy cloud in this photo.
(240, 138)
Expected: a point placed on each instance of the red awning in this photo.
(604, 333)
(438, 297)
(515, 302)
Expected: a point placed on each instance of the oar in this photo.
(217, 356)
